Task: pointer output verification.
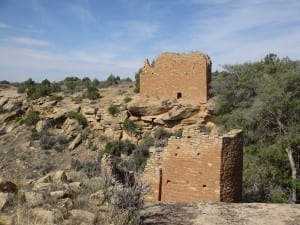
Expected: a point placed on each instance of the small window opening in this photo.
(176, 154)
(179, 95)
(204, 185)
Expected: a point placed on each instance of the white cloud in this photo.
(20, 63)
(28, 41)
(241, 31)
(5, 26)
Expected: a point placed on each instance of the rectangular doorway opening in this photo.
(179, 95)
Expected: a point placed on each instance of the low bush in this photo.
(38, 91)
(61, 143)
(113, 148)
(79, 117)
(113, 110)
(2, 110)
(56, 98)
(112, 80)
(161, 133)
(90, 167)
(46, 140)
(117, 147)
(32, 118)
(130, 127)
(178, 133)
(127, 99)
(92, 93)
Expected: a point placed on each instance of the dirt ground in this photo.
(221, 214)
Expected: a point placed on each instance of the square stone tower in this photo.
(177, 76)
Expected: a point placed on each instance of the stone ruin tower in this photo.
(199, 166)
(179, 76)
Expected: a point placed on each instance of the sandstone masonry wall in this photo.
(232, 167)
(181, 76)
(197, 167)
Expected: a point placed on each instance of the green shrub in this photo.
(140, 158)
(79, 117)
(117, 147)
(32, 118)
(46, 82)
(56, 98)
(86, 81)
(95, 82)
(38, 91)
(113, 148)
(160, 133)
(178, 133)
(127, 147)
(141, 152)
(127, 201)
(130, 127)
(29, 83)
(113, 110)
(71, 83)
(46, 140)
(4, 82)
(2, 110)
(34, 135)
(92, 93)
(112, 80)
(127, 99)
(61, 143)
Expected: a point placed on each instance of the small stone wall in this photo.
(177, 76)
(197, 167)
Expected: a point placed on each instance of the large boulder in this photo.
(34, 199)
(149, 107)
(71, 128)
(180, 112)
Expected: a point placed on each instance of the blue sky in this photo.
(57, 38)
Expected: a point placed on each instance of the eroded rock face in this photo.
(149, 107)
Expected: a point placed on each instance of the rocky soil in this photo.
(54, 170)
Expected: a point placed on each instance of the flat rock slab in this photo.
(221, 213)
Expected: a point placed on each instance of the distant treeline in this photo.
(35, 90)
